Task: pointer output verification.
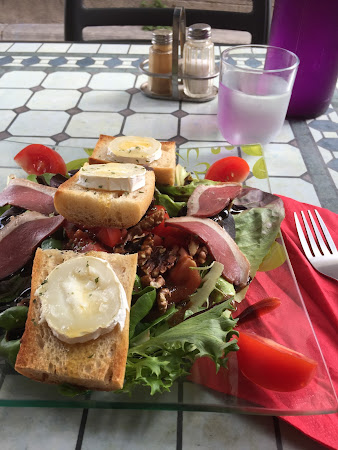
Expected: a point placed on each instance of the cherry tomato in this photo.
(272, 365)
(231, 168)
(38, 159)
(182, 278)
(109, 236)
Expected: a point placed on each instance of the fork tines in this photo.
(313, 243)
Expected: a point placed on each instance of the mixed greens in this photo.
(158, 354)
(168, 355)
(162, 351)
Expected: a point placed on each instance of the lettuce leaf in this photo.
(69, 390)
(258, 226)
(181, 175)
(14, 317)
(46, 176)
(76, 164)
(161, 360)
(4, 209)
(170, 205)
(201, 296)
(12, 287)
(223, 290)
(182, 193)
(144, 330)
(137, 285)
(141, 308)
(9, 349)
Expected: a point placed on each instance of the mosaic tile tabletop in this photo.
(66, 95)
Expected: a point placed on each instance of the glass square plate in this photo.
(229, 390)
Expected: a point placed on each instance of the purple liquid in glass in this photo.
(309, 28)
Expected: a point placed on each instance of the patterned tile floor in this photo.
(66, 95)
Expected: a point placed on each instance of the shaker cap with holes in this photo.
(199, 31)
(162, 36)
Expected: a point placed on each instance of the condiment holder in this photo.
(176, 76)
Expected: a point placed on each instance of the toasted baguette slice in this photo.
(97, 364)
(95, 208)
(164, 167)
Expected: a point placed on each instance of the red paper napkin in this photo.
(320, 295)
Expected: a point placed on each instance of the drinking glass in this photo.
(254, 92)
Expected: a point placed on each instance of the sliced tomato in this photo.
(109, 236)
(272, 365)
(232, 168)
(182, 278)
(38, 159)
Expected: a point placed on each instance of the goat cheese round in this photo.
(136, 149)
(112, 177)
(81, 299)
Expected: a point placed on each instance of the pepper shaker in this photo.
(160, 61)
(198, 60)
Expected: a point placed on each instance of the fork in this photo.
(324, 260)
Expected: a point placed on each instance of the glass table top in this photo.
(229, 390)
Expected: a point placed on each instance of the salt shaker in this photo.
(198, 60)
(160, 61)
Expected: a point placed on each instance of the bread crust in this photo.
(164, 167)
(94, 208)
(97, 364)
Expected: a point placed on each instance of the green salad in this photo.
(163, 346)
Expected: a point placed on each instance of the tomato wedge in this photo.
(38, 159)
(183, 278)
(272, 365)
(232, 168)
(171, 236)
(109, 236)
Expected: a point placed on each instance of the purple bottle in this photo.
(309, 28)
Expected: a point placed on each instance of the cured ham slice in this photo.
(220, 244)
(20, 237)
(207, 201)
(29, 195)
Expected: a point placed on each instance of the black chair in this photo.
(77, 17)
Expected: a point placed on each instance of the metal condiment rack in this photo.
(176, 75)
